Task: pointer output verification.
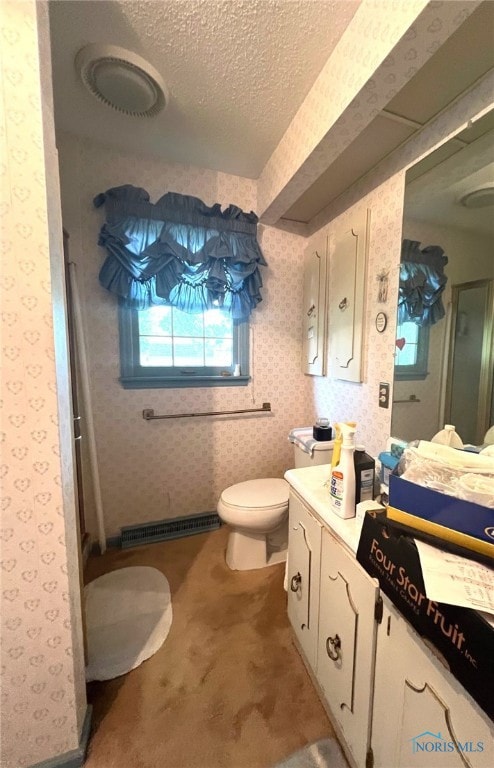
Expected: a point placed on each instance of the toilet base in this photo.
(248, 551)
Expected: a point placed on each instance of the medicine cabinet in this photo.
(314, 307)
(347, 277)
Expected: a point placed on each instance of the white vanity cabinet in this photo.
(304, 562)
(391, 701)
(346, 647)
(421, 714)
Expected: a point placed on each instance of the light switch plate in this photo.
(383, 394)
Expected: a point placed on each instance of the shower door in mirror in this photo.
(469, 395)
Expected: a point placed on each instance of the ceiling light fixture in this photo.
(122, 80)
(479, 197)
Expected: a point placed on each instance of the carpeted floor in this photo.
(226, 690)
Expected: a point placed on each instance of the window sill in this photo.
(179, 382)
(410, 375)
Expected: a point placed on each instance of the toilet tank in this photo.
(307, 451)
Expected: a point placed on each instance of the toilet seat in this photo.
(266, 494)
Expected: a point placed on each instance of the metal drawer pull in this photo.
(333, 645)
(296, 582)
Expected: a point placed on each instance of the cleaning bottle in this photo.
(448, 436)
(335, 457)
(365, 469)
(343, 476)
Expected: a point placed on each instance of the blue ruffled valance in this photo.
(179, 252)
(422, 282)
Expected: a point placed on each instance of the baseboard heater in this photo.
(161, 530)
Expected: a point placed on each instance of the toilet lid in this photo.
(270, 492)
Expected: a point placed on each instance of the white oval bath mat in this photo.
(128, 616)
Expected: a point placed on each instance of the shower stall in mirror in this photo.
(469, 389)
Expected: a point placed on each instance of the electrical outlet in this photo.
(383, 394)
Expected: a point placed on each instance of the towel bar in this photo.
(148, 413)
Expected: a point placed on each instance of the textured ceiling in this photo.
(433, 190)
(237, 71)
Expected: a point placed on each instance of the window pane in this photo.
(409, 331)
(217, 323)
(155, 321)
(188, 352)
(219, 352)
(187, 325)
(155, 351)
(407, 355)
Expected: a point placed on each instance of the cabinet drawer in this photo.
(304, 560)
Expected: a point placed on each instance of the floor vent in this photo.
(147, 533)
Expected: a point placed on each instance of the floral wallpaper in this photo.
(159, 469)
(347, 401)
(42, 685)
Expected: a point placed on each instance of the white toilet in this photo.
(257, 510)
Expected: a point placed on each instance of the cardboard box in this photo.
(468, 525)
(462, 636)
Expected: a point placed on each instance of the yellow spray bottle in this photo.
(342, 490)
(335, 458)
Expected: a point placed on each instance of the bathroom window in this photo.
(164, 347)
(412, 351)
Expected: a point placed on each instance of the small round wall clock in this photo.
(381, 322)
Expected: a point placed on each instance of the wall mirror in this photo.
(444, 372)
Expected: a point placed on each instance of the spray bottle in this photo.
(343, 475)
(335, 456)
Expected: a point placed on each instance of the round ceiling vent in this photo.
(479, 197)
(122, 80)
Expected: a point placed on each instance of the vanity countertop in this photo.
(312, 484)
(309, 483)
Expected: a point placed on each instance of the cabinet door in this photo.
(304, 560)
(346, 300)
(422, 717)
(313, 360)
(347, 635)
